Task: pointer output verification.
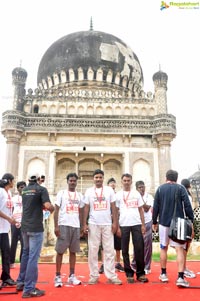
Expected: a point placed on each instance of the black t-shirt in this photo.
(33, 198)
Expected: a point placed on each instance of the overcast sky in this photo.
(168, 37)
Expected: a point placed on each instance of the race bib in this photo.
(72, 208)
(100, 205)
(132, 203)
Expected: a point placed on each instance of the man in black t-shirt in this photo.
(35, 198)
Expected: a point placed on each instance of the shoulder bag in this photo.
(180, 229)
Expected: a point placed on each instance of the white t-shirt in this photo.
(148, 199)
(128, 203)
(100, 200)
(17, 208)
(69, 203)
(5, 207)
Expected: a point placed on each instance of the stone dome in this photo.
(94, 51)
(19, 72)
(160, 76)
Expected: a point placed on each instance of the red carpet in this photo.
(153, 290)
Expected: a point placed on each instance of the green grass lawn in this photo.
(156, 257)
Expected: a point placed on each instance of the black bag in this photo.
(180, 229)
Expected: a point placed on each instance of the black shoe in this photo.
(142, 279)
(9, 282)
(19, 287)
(101, 270)
(119, 267)
(130, 280)
(34, 293)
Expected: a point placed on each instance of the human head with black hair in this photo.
(140, 186)
(71, 174)
(41, 179)
(7, 181)
(186, 184)
(127, 175)
(21, 183)
(112, 183)
(111, 180)
(72, 179)
(98, 171)
(20, 186)
(98, 177)
(172, 175)
(126, 181)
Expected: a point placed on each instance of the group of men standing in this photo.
(99, 215)
(103, 214)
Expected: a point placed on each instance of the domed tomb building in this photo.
(89, 111)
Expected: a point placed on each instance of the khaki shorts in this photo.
(69, 239)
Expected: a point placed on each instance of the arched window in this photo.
(36, 109)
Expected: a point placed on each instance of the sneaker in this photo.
(189, 274)
(116, 281)
(182, 282)
(9, 282)
(147, 272)
(93, 281)
(142, 279)
(12, 266)
(119, 267)
(130, 280)
(58, 281)
(20, 287)
(34, 293)
(101, 269)
(163, 278)
(73, 280)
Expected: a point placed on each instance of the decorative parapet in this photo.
(134, 125)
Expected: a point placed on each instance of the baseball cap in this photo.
(33, 176)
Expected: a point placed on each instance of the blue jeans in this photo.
(29, 262)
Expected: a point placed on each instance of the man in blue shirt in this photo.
(163, 209)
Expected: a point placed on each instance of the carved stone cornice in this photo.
(62, 123)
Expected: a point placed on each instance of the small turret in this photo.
(19, 76)
(160, 79)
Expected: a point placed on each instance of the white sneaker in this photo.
(163, 278)
(58, 281)
(147, 272)
(73, 280)
(189, 274)
(116, 281)
(93, 281)
(182, 282)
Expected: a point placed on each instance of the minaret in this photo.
(164, 138)
(19, 76)
(14, 134)
(160, 87)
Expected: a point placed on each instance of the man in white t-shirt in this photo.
(131, 221)
(99, 205)
(147, 206)
(16, 234)
(68, 204)
(6, 219)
